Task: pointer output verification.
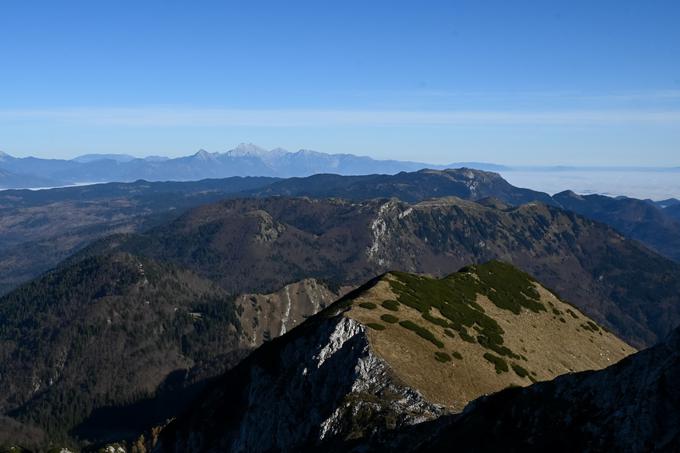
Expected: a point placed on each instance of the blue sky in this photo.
(515, 82)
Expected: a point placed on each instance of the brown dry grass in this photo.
(551, 347)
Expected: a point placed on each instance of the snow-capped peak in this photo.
(247, 149)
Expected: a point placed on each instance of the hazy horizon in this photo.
(570, 83)
(656, 183)
(511, 166)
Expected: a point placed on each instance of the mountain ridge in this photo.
(360, 378)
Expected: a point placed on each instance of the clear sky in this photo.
(515, 82)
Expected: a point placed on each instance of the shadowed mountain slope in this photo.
(673, 211)
(107, 330)
(40, 228)
(637, 219)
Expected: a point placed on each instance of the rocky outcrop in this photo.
(315, 386)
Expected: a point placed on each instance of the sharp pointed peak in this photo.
(203, 154)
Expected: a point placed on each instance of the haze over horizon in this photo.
(570, 83)
(124, 157)
(247, 159)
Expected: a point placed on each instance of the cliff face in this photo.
(267, 316)
(325, 384)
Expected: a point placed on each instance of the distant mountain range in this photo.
(244, 160)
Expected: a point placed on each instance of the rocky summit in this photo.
(401, 350)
